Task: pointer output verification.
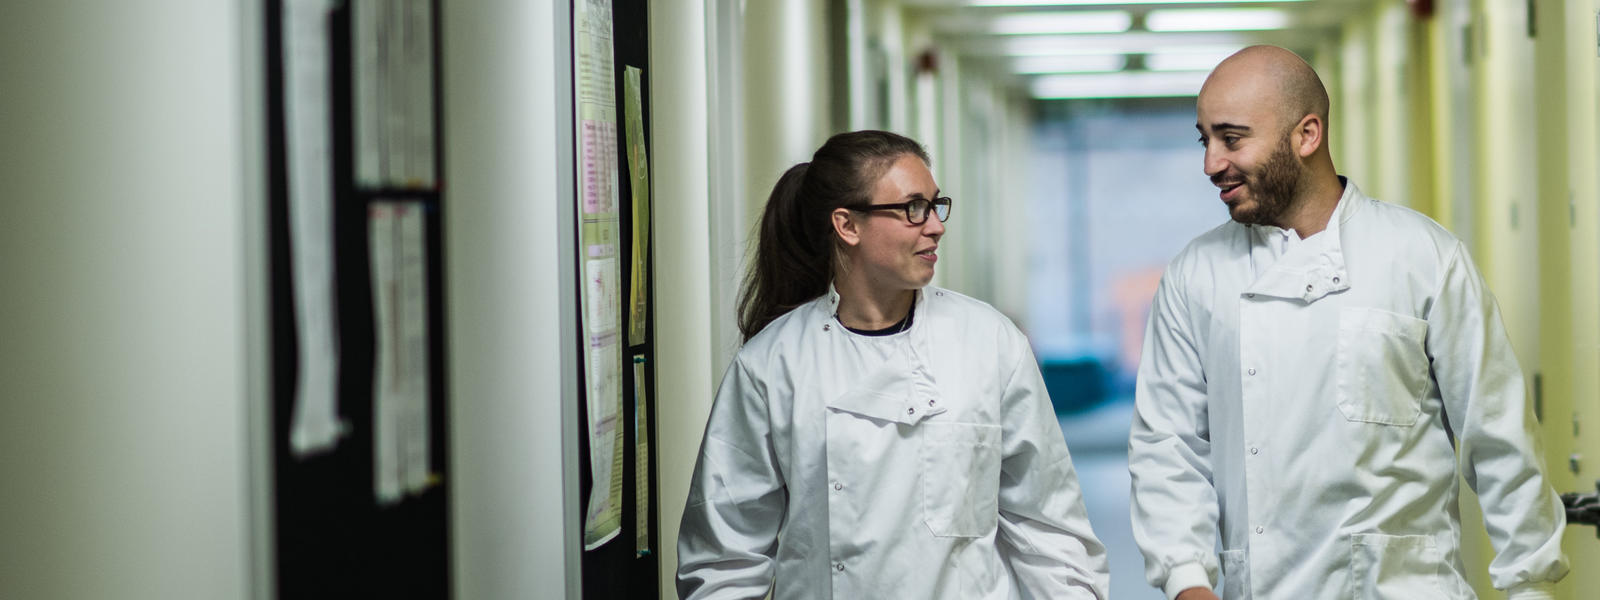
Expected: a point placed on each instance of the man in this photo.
(1311, 369)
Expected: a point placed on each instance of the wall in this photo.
(513, 516)
(684, 284)
(1569, 257)
(128, 197)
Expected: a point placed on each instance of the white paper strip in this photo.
(314, 425)
(386, 392)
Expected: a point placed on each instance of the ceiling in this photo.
(1096, 48)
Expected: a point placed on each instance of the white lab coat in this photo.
(1307, 403)
(924, 464)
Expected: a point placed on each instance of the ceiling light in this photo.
(1125, 84)
(1112, 21)
(1132, 42)
(1216, 19)
(1108, 2)
(1185, 60)
(1081, 63)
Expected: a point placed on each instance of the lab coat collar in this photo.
(1315, 267)
(828, 305)
(902, 390)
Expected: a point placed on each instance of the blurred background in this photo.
(136, 411)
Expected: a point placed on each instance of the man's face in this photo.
(1249, 156)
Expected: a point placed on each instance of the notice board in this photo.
(616, 426)
(359, 433)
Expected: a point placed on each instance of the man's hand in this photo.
(1196, 593)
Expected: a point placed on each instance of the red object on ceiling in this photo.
(1421, 9)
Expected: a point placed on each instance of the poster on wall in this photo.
(641, 467)
(315, 425)
(598, 241)
(397, 249)
(639, 183)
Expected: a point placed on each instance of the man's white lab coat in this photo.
(1309, 396)
(924, 464)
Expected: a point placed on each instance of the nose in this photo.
(1214, 163)
(933, 227)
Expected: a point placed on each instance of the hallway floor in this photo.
(1098, 440)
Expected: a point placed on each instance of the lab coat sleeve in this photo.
(1044, 534)
(1486, 401)
(1174, 503)
(737, 499)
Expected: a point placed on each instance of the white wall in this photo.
(512, 517)
(786, 91)
(124, 382)
(684, 285)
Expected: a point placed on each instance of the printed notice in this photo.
(401, 428)
(641, 459)
(600, 294)
(315, 426)
(639, 183)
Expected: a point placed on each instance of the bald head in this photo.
(1272, 78)
(1263, 119)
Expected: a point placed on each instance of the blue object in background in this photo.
(1076, 384)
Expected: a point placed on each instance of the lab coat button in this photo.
(827, 326)
(1255, 450)
(1251, 371)
(911, 411)
(1308, 288)
(1259, 529)
(838, 486)
(1250, 295)
(839, 566)
(930, 403)
(1336, 280)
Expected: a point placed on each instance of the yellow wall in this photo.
(1570, 262)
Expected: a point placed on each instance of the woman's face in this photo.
(891, 252)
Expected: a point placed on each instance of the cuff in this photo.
(1193, 575)
(1540, 590)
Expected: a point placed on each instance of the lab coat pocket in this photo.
(1235, 575)
(1397, 567)
(1382, 368)
(960, 478)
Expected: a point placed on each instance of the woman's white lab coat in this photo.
(924, 464)
(1312, 395)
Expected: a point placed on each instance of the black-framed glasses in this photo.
(916, 210)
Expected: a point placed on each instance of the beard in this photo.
(1273, 188)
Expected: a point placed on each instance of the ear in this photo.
(845, 226)
(1309, 135)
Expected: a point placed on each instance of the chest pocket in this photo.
(1382, 366)
(960, 478)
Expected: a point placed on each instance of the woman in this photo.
(878, 437)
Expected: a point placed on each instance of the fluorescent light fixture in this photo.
(1179, 60)
(1109, 21)
(1125, 84)
(1216, 19)
(1080, 63)
(1107, 2)
(1132, 42)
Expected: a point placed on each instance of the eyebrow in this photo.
(915, 195)
(1223, 127)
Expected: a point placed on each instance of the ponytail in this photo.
(796, 249)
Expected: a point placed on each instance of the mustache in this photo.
(1229, 176)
